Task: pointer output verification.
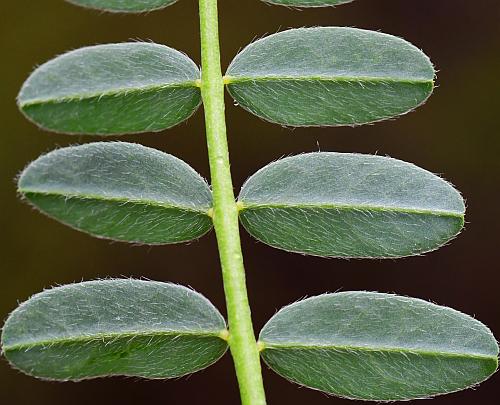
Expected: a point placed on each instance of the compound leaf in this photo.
(308, 3)
(330, 76)
(124, 6)
(378, 347)
(114, 327)
(350, 205)
(112, 89)
(120, 191)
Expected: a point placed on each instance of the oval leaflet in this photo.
(112, 89)
(350, 205)
(330, 76)
(124, 6)
(308, 3)
(120, 191)
(378, 347)
(114, 327)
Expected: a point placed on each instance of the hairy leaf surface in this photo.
(330, 76)
(308, 3)
(350, 205)
(379, 347)
(114, 327)
(124, 6)
(120, 191)
(112, 89)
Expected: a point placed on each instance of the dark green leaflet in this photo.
(114, 327)
(126, 6)
(378, 347)
(330, 76)
(350, 205)
(120, 191)
(112, 89)
(308, 3)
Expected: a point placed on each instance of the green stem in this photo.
(225, 214)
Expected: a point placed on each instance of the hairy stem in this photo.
(225, 214)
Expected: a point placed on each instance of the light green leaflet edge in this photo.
(378, 347)
(112, 89)
(350, 205)
(330, 76)
(307, 3)
(120, 191)
(114, 327)
(124, 6)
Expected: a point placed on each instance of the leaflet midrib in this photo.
(109, 336)
(229, 79)
(107, 93)
(347, 207)
(386, 349)
(117, 199)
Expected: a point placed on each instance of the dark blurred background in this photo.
(455, 134)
